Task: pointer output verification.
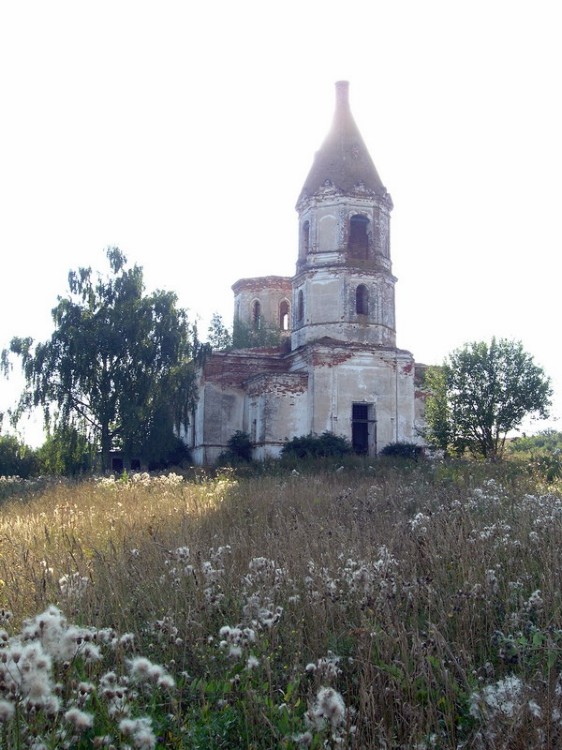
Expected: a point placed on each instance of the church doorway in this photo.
(363, 429)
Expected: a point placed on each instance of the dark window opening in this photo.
(256, 315)
(117, 464)
(300, 307)
(358, 237)
(362, 300)
(284, 315)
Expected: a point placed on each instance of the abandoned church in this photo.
(336, 367)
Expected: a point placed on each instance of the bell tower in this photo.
(344, 288)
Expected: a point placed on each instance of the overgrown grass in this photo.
(395, 605)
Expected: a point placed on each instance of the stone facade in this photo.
(337, 367)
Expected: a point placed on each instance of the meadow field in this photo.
(412, 605)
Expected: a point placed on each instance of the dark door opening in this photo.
(360, 428)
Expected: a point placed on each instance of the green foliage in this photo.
(16, 458)
(481, 393)
(66, 452)
(240, 445)
(437, 411)
(546, 440)
(543, 452)
(402, 450)
(219, 337)
(163, 448)
(239, 449)
(317, 446)
(248, 337)
(116, 359)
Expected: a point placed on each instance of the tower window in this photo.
(300, 306)
(284, 315)
(362, 300)
(358, 237)
(256, 315)
(306, 236)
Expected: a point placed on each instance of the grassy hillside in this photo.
(411, 606)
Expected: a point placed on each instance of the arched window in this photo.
(284, 315)
(362, 300)
(306, 237)
(256, 315)
(300, 306)
(358, 237)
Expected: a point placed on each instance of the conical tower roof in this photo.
(343, 161)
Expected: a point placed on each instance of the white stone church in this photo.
(338, 368)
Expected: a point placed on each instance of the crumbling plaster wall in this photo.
(277, 411)
(269, 291)
(342, 375)
(330, 308)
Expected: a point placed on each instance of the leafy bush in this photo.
(247, 337)
(239, 449)
(16, 458)
(546, 440)
(543, 452)
(66, 452)
(402, 450)
(317, 446)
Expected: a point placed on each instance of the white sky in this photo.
(183, 132)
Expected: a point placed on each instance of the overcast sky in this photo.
(183, 132)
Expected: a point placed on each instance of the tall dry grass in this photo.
(425, 596)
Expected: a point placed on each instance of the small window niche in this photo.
(256, 315)
(362, 300)
(284, 311)
(306, 237)
(300, 306)
(358, 244)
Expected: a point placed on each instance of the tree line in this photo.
(118, 373)
(118, 369)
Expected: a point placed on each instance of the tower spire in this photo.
(343, 162)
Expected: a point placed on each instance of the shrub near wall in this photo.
(317, 446)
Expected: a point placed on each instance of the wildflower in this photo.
(535, 601)
(73, 585)
(331, 704)
(91, 653)
(7, 710)
(252, 662)
(329, 708)
(303, 740)
(143, 670)
(492, 581)
(166, 682)
(140, 731)
(326, 667)
(84, 690)
(501, 698)
(80, 720)
(37, 686)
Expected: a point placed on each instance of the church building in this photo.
(335, 366)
